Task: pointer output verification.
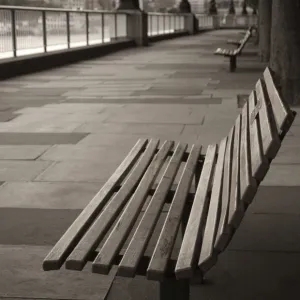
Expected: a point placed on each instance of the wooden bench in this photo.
(233, 53)
(129, 212)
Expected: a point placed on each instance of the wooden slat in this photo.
(270, 138)
(191, 243)
(259, 162)
(68, 241)
(120, 232)
(207, 255)
(142, 235)
(92, 238)
(248, 184)
(164, 246)
(224, 231)
(281, 110)
(236, 207)
(245, 40)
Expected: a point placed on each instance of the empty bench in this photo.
(186, 204)
(233, 53)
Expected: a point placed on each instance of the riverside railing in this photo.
(28, 30)
(205, 21)
(226, 21)
(236, 21)
(165, 23)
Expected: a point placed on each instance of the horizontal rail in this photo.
(32, 8)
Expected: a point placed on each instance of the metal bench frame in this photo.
(130, 204)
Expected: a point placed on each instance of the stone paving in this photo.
(64, 131)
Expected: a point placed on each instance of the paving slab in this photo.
(129, 128)
(13, 170)
(276, 200)
(79, 171)
(254, 229)
(23, 152)
(283, 175)
(47, 195)
(251, 275)
(22, 277)
(16, 138)
(34, 226)
(85, 153)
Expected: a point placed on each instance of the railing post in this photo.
(87, 28)
(164, 25)
(102, 27)
(44, 30)
(68, 29)
(116, 26)
(13, 32)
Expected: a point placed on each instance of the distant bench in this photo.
(233, 53)
(114, 229)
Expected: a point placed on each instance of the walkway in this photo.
(64, 131)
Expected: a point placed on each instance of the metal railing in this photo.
(225, 21)
(27, 30)
(205, 21)
(165, 23)
(236, 21)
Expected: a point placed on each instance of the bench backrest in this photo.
(236, 169)
(244, 41)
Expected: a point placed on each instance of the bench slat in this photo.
(191, 244)
(96, 232)
(224, 231)
(165, 244)
(236, 207)
(68, 241)
(270, 138)
(248, 186)
(244, 42)
(207, 256)
(142, 235)
(283, 114)
(120, 232)
(259, 162)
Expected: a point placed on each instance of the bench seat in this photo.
(186, 200)
(225, 52)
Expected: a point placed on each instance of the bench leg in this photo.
(232, 63)
(172, 289)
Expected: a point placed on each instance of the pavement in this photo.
(64, 131)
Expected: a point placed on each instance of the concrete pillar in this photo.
(137, 27)
(137, 23)
(191, 23)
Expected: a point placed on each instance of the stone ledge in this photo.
(34, 63)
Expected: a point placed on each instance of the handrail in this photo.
(32, 8)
